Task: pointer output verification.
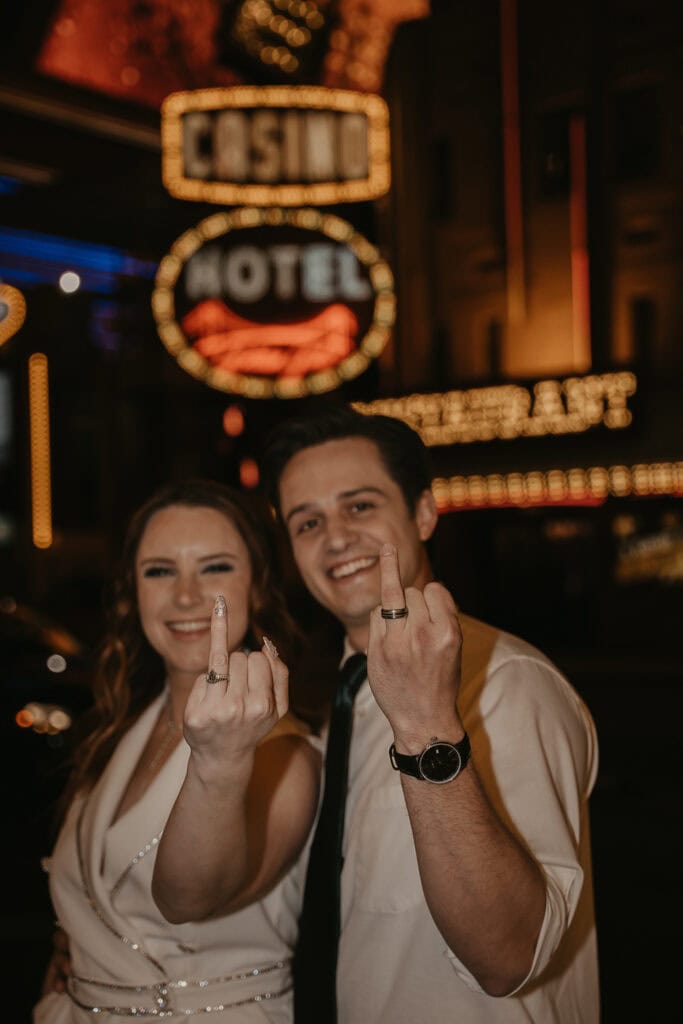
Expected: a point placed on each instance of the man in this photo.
(466, 885)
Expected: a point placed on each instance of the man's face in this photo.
(340, 505)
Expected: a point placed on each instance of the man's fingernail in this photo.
(387, 549)
(219, 607)
(270, 647)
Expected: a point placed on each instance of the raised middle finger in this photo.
(217, 672)
(392, 596)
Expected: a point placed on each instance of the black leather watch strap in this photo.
(440, 761)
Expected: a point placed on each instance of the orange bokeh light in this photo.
(24, 719)
(233, 421)
(249, 473)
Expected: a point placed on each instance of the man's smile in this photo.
(342, 570)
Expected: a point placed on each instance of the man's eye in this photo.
(157, 570)
(219, 567)
(362, 506)
(306, 526)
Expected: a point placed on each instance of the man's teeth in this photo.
(189, 627)
(350, 567)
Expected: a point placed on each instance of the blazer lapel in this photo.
(96, 817)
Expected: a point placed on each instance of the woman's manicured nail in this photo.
(219, 606)
(270, 647)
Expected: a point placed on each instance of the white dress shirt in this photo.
(535, 750)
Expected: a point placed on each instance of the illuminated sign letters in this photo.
(271, 146)
(274, 303)
(275, 145)
(319, 272)
(511, 410)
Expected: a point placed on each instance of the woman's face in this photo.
(186, 556)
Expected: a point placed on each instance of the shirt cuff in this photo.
(563, 886)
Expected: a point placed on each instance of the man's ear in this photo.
(426, 515)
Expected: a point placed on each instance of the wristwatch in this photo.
(439, 762)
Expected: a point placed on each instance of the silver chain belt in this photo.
(161, 992)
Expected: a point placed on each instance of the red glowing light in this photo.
(249, 473)
(24, 719)
(233, 421)
(233, 343)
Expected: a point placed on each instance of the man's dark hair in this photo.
(401, 449)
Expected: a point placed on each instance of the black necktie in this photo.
(315, 961)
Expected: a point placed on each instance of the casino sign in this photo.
(270, 302)
(275, 145)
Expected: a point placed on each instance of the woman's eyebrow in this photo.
(203, 558)
(219, 554)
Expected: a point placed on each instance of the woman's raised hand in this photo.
(236, 703)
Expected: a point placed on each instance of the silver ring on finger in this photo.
(394, 613)
(216, 677)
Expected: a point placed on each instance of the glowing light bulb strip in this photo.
(251, 385)
(256, 19)
(39, 414)
(508, 411)
(576, 486)
(309, 97)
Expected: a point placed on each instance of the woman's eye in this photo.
(219, 567)
(157, 570)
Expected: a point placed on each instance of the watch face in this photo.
(440, 762)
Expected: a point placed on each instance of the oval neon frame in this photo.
(251, 385)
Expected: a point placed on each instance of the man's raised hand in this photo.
(414, 661)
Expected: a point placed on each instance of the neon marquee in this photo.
(274, 303)
(275, 145)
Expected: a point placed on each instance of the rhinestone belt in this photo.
(162, 995)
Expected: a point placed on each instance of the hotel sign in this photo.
(274, 302)
(275, 145)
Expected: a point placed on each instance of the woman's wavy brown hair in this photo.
(129, 673)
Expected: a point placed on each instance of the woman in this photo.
(193, 605)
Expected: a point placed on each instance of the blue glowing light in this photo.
(9, 186)
(32, 257)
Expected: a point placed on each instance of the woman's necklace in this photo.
(171, 733)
